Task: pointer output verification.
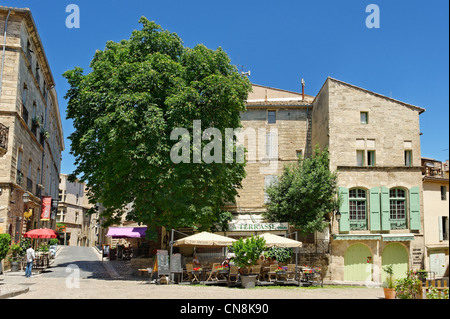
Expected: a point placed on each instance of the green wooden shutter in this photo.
(414, 208)
(375, 214)
(385, 209)
(344, 224)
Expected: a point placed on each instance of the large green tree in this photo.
(304, 194)
(124, 111)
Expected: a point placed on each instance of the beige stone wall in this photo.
(291, 127)
(20, 71)
(392, 127)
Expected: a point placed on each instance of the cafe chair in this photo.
(256, 270)
(233, 275)
(187, 274)
(272, 274)
(214, 272)
(290, 274)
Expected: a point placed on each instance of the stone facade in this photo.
(353, 122)
(29, 110)
(73, 206)
(271, 144)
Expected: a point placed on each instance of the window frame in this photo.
(443, 192)
(274, 112)
(357, 204)
(363, 160)
(366, 115)
(409, 158)
(398, 210)
(371, 158)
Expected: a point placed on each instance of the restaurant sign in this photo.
(257, 226)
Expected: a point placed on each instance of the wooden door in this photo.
(358, 263)
(395, 254)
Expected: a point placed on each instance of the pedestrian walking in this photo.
(30, 259)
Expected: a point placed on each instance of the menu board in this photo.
(162, 257)
(175, 265)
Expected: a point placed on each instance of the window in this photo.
(364, 117)
(397, 210)
(357, 209)
(299, 153)
(408, 158)
(24, 94)
(371, 158)
(443, 228)
(271, 117)
(443, 193)
(360, 158)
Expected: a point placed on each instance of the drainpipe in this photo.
(4, 49)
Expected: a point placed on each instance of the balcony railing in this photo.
(4, 132)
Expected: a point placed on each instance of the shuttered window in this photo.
(414, 208)
(357, 209)
(344, 223)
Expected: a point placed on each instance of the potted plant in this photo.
(409, 287)
(36, 121)
(389, 287)
(15, 251)
(4, 248)
(247, 252)
(44, 132)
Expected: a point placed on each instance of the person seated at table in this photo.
(195, 261)
(274, 261)
(226, 262)
(261, 260)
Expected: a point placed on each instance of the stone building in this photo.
(73, 206)
(374, 144)
(436, 226)
(275, 133)
(30, 127)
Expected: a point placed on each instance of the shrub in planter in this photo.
(247, 252)
(282, 255)
(389, 287)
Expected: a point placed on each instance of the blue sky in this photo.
(280, 42)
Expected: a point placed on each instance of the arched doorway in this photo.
(358, 263)
(395, 254)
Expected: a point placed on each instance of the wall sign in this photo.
(257, 226)
(46, 207)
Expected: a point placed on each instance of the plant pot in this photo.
(15, 266)
(248, 281)
(389, 293)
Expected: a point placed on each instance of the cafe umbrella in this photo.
(41, 233)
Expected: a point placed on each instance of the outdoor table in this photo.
(223, 274)
(281, 275)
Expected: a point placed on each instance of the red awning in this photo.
(126, 232)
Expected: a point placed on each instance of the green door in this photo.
(358, 263)
(396, 255)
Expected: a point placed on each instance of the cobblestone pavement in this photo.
(87, 277)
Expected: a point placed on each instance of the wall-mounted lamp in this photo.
(25, 198)
(338, 215)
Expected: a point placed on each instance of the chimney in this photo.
(303, 90)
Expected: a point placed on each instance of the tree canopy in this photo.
(124, 111)
(304, 194)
